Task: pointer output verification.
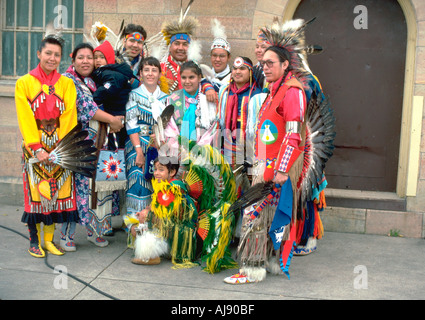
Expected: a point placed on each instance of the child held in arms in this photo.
(113, 81)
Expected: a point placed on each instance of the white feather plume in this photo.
(194, 51)
(157, 46)
(54, 32)
(207, 72)
(218, 30)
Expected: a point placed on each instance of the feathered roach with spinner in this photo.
(184, 24)
(289, 35)
(158, 45)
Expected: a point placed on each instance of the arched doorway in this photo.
(362, 70)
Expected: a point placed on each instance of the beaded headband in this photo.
(220, 43)
(136, 36)
(180, 36)
(240, 62)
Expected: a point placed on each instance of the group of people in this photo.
(246, 121)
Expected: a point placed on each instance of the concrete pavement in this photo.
(345, 267)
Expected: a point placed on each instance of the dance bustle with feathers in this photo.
(319, 144)
(253, 195)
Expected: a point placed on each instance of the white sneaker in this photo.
(100, 242)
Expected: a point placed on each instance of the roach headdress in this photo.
(290, 37)
(54, 33)
(183, 28)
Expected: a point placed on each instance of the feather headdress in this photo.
(184, 25)
(220, 37)
(100, 32)
(54, 33)
(290, 36)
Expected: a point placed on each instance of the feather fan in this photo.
(74, 152)
(253, 195)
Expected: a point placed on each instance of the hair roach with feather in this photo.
(290, 36)
(184, 25)
(54, 34)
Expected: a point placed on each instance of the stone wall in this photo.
(237, 16)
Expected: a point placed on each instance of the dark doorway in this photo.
(362, 71)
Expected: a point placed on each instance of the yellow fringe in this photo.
(186, 250)
(184, 265)
(163, 84)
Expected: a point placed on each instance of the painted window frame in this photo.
(68, 13)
